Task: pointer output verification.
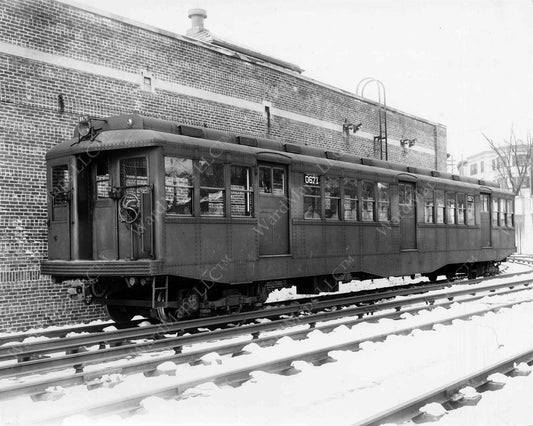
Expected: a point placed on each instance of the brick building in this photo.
(60, 61)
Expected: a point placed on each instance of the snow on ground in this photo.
(340, 392)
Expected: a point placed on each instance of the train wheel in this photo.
(119, 313)
(189, 307)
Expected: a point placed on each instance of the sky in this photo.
(467, 64)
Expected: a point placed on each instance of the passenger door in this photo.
(273, 210)
(407, 201)
(122, 208)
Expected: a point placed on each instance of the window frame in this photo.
(364, 201)
(380, 202)
(351, 199)
(248, 193)
(451, 208)
(332, 198)
(430, 205)
(190, 188)
(222, 188)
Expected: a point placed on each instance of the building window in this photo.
(241, 191)
(383, 202)
(493, 164)
(368, 197)
(470, 210)
(461, 209)
(351, 199)
(212, 188)
(482, 167)
(439, 201)
(312, 198)
(450, 208)
(473, 169)
(179, 186)
(429, 203)
(332, 198)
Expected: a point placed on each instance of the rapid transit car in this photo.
(150, 217)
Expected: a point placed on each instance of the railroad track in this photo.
(448, 394)
(118, 343)
(362, 296)
(235, 347)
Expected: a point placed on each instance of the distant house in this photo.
(487, 165)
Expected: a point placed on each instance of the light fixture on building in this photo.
(346, 127)
(407, 143)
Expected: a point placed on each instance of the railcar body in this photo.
(147, 216)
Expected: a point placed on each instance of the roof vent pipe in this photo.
(197, 17)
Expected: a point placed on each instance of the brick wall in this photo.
(95, 62)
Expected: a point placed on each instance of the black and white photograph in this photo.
(266, 212)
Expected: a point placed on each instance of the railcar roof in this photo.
(135, 131)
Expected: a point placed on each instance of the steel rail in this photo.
(409, 409)
(145, 366)
(62, 332)
(80, 359)
(240, 372)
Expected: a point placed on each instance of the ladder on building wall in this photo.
(381, 147)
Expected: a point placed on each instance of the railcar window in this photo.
(60, 185)
(470, 210)
(368, 198)
(242, 195)
(450, 208)
(383, 202)
(429, 201)
(510, 215)
(461, 209)
(179, 186)
(133, 172)
(265, 180)
(332, 198)
(278, 181)
(351, 199)
(439, 201)
(102, 178)
(312, 201)
(495, 211)
(212, 188)
(502, 212)
(484, 203)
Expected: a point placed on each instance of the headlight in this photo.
(84, 128)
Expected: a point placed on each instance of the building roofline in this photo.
(231, 52)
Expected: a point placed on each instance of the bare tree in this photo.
(513, 160)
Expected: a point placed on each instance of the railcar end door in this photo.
(407, 202)
(134, 209)
(273, 210)
(59, 244)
